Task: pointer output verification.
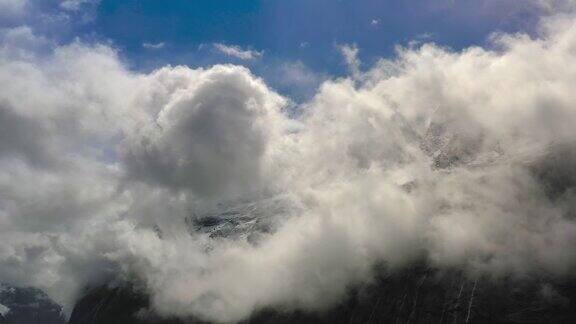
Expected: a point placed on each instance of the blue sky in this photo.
(303, 29)
(285, 34)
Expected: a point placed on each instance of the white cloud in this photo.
(4, 310)
(453, 158)
(20, 42)
(75, 5)
(237, 51)
(211, 137)
(153, 46)
(350, 54)
(296, 78)
(10, 8)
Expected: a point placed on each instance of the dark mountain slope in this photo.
(28, 306)
(419, 295)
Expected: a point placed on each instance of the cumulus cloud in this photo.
(211, 136)
(237, 51)
(460, 159)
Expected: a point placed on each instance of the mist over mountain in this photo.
(437, 185)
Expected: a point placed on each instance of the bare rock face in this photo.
(115, 305)
(556, 171)
(118, 305)
(416, 295)
(27, 306)
(451, 139)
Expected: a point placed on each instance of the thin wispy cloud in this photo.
(350, 54)
(12, 7)
(75, 5)
(238, 52)
(153, 46)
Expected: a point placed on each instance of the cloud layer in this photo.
(462, 159)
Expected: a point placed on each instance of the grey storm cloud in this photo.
(463, 159)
